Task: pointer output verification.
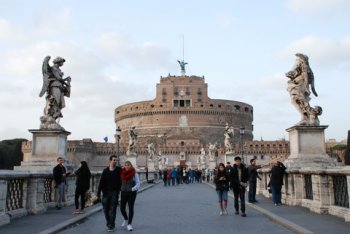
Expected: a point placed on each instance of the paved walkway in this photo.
(184, 209)
(190, 209)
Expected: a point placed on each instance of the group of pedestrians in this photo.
(238, 177)
(176, 176)
(114, 180)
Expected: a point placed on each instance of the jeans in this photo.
(252, 191)
(222, 195)
(276, 193)
(61, 194)
(239, 192)
(109, 203)
(79, 193)
(128, 197)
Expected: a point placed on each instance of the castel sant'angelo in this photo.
(182, 121)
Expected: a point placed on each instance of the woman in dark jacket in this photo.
(82, 186)
(221, 181)
(276, 182)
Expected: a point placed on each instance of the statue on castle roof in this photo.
(132, 141)
(301, 80)
(182, 65)
(56, 88)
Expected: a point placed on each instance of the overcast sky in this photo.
(116, 51)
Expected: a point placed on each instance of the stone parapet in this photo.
(322, 190)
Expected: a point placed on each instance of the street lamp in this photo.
(117, 133)
(241, 132)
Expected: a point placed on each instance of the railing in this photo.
(23, 193)
(320, 190)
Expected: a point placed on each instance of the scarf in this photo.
(127, 174)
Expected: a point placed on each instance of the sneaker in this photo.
(237, 213)
(76, 211)
(110, 229)
(125, 222)
(276, 204)
(129, 227)
(225, 212)
(221, 213)
(243, 215)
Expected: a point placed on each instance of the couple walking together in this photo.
(114, 180)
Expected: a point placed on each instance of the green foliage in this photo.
(339, 147)
(11, 153)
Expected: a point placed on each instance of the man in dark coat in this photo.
(253, 176)
(276, 181)
(59, 177)
(110, 184)
(238, 182)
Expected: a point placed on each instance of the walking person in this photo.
(238, 179)
(130, 184)
(59, 176)
(253, 176)
(165, 176)
(173, 176)
(110, 184)
(83, 175)
(222, 186)
(276, 181)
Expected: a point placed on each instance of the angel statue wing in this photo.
(311, 80)
(46, 74)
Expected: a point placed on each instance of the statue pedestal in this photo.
(307, 147)
(47, 146)
(212, 164)
(229, 157)
(132, 157)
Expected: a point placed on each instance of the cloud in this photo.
(333, 52)
(316, 5)
(145, 56)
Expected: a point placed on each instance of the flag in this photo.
(105, 139)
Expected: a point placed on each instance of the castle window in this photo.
(164, 100)
(188, 102)
(164, 91)
(211, 105)
(219, 106)
(182, 103)
(187, 91)
(176, 91)
(160, 105)
(237, 107)
(199, 92)
(246, 109)
(199, 100)
(152, 105)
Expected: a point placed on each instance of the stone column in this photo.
(4, 218)
(35, 197)
(321, 200)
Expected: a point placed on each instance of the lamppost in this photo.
(241, 132)
(117, 133)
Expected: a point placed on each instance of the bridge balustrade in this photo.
(320, 190)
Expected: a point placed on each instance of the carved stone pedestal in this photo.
(132, 158)
(47, 145)
(212, 164)
(229, 157)
(307, 147)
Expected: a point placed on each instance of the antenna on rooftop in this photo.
(182, 63)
